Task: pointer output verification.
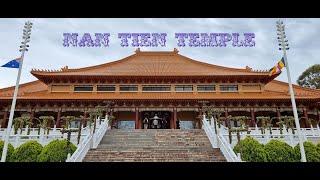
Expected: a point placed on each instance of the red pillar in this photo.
(137, 119)
(85, 115)
(171, 121)
(175, 118)
(58, 118)
(278, 114)
(32, 118)
(305, 115)
(253, 118)
(318, 116)
(5, 116)
(226, 116)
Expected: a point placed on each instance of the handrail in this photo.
(218, 141)
(97, 137)
(227, 150)
(91, 141)
(210, 133)
(81, 150)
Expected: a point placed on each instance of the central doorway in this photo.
(156, 119)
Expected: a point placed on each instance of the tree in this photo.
(264, 123)
(66, 128)
(82, 119)
(310, 77)
(45, 122)
(289, 122)
(97, 112)
(242, 128)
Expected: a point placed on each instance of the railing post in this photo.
(68, 157)
(17, 139)
(54, 129)
(4, 133)
(41, 135)
(312, 130)
(27, 128)
(291, 137)
(239, 156)
(318, 129)
(304, 134)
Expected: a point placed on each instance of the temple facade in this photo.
(162, 84)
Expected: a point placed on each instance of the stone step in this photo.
(163, 145)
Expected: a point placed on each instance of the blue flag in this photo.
(13, 63)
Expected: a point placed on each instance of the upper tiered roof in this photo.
(154, 63)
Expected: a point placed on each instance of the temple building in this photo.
(162, 84)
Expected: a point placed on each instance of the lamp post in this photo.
(284, 46)
(23, 48)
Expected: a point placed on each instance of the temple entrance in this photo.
(156, 119)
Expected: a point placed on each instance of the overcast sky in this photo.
(47, 51)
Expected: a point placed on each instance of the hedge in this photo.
(251, 150)
(27, 152)
(279, 151)
(56, 151)
(312, 152)
(9, 151)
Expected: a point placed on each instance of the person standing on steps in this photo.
(178, 124)
(145, 123)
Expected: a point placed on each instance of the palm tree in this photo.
(264, 122)
(67, 120)
(97, 112)
(280, 123)
(45, 122)
(27, 121)
(243, 125)
(212, 112)
(111, 118)
(17, 123)
(82, 119)
(289, 122)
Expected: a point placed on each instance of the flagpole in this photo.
(285, 46)
(26, 37)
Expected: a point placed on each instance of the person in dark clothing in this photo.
(178, 124)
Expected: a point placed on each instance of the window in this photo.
(83, 88)
(156, 88)
(206, 88)
(129, 88)
(229, 88)
(251, 87)
(106, 88)
(184, 88)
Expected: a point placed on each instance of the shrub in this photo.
(56, 151)
(279, 151)
(9, 152)
(27, 152)
(311, 150)
(251, 150)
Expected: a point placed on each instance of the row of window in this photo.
(155, 88)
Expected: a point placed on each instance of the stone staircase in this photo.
(163, 145)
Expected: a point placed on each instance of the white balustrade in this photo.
(227, 150)
(218, 141)
(92, 140)
(210, 131)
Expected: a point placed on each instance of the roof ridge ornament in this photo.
(65, 68)
(248, 68)
(175, 50)
(137, 51)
